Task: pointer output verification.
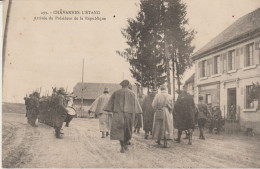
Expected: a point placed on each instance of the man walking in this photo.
(124, 105)
(60, 111)
(203, 112)
(104, 116)
(163, 119)
(148, 113)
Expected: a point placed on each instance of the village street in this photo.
(82, 146)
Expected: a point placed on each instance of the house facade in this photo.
(226, 68)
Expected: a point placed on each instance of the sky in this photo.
(44, 54)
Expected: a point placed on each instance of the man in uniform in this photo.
(27, 105)
(34, 108)
(138, 117)
(60, 112)
(163, 119)
(124, 105)
(148, 113)
(104, 116)
(203, 112)
(184, 115)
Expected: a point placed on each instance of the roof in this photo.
(93, 90)
(190, 79)
(245, 25)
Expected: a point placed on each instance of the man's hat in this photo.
(106, 90)
(61, 91)
(125, 83)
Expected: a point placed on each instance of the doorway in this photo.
(231, 103)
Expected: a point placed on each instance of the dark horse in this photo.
(184, 115)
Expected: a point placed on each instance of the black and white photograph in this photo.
(130, 84)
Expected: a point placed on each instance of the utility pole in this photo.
(82, 88)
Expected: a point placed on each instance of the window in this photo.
(203, 67)
(250, 104)
(217, 65)
(231, 60)
(249, 54)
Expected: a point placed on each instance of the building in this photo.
(189, 85)
(226, 67)
(90, 92)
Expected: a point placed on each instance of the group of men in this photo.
(50, 110)
(122, 111)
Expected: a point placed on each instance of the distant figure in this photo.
(203, 112)
(34, 108)
(184, 115)
(232, 111)
(148, 113)
(71, 110)
(104, 116)
(138, 117)
(163, 119)
(216, 120)
(60, 111)
(124, 105)
(27, 105)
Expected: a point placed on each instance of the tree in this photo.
(145, 53)
(178, 37)
(156, 37)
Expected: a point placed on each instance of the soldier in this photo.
(203, 112)
(34, 108)
(138, 117)
(124, 105)
(27, 104)
(148, 113)
(60, 111)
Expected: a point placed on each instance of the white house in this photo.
(226, 67)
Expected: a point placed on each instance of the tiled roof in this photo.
(246, 24)
(93, 90)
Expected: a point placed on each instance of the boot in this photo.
(107, 133)
(178, 140)
(146, 135)
(122, 147)
(158, 142)
(58, 136)
(138, 130)
(103, 135)
(165, 142)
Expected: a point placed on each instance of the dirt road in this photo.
(82, 146)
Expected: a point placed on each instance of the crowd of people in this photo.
(51, 110)
(121, 112)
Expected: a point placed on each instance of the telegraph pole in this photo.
(82, 88)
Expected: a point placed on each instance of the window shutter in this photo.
(221, 64)
(224, 62)
(208, 68)
(257, 53)
(200, 69)
(237, 59)
(245, 61)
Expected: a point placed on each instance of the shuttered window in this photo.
(249, 55)
(231, 60)
(204, 67)
(217, 64)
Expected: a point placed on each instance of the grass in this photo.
(13, 108)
